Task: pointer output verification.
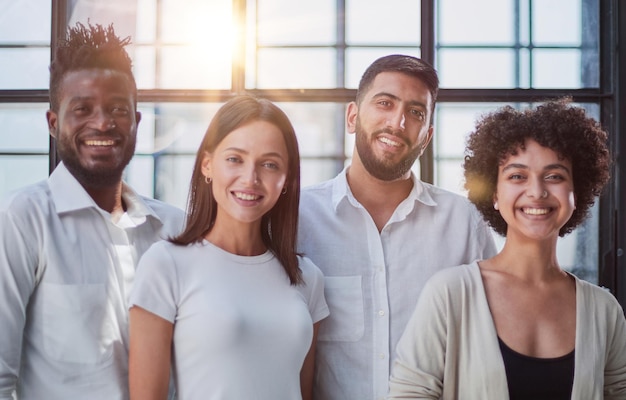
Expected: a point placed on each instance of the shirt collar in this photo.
(69, 195)
(341, 191)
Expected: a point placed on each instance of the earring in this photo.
(284, 191)
(495, 206)
(207, 180)
(544, 195)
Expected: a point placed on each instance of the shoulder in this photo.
(22, 200)
(319, 191)
(454, 282)
(596, 297)
(310, 271)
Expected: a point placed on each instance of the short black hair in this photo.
(87, 47)
(557, 125)
(409, 65)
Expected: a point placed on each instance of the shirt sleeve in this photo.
(18, 267)
(313, 290)
(155, 288)
(418, 370)
(615, 368)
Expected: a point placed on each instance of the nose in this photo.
(251, 176)
(103, 122)
(396, 121)
(536, 189)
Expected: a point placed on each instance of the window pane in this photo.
(25, 68)
(25, 21)
(358, 59)
(556, 69)
(296, 68)
(390, 22)
(18, 171)
(465, 68)
(194, 67)
(487, 22)
(287, 22)
(556, 22)
(24, 128)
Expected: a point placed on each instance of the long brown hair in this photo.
(279, 226)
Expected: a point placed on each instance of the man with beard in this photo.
(69, 245)
(378, 232)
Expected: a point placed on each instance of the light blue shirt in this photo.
(373, 280)
(65, 275)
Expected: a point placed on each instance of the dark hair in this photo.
(557, 125)
(280, 225)
(405, 64)
(87, 47)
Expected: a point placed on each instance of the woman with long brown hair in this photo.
(229, 303)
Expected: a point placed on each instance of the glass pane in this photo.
(194, 67)
(476, 68)
(19, 171)
(316, 127)
(25, 68)
(287, 22)
(556, 68)
(25, 21)
(313, 171)
(24, 128)
(487, 22)
(296, 68)
(358, 59)
(556, 22)
(390, 22)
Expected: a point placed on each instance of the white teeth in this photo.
(536, 211)
(389, 142)
(99, 142)
(246, 196)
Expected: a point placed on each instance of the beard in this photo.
(94, 177)
(383, 169)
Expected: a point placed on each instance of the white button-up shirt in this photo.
(373, 280)
(65, 275)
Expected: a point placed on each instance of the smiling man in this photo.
(69, 245)
(378, 232)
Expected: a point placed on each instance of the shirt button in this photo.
(381, 356)
(381, 313)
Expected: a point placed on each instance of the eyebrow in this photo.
(394, 97)
(238, 150)
(546, 168)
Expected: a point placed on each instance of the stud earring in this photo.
(495, 206)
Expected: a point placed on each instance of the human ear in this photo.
(352, 113)
(52, 118)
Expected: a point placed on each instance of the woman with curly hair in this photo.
(517, 325)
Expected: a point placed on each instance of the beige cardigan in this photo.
(449, 349)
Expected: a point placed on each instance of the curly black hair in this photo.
(557, 125)
(86, 47)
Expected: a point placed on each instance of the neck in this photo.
(243, 239)
(528, 260)
(108, 198)
(380, 198)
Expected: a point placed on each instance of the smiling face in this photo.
(392, 125)
(249, 170)
(95, 125)
(535, 192)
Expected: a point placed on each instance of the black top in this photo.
(531, 378)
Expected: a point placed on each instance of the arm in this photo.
(308, 368)
(615, 368)
(418, 370)
(18, 264)
(150, 355)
